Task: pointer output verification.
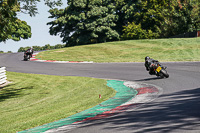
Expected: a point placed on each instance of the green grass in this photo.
(32, 100)
(182, 49)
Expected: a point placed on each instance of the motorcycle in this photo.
(26, 56)
(160, 71)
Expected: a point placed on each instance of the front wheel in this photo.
(28, 57)
(25, 58)
(164, 72)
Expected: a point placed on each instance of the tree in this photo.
(46, 47)
(9, 24)
(148, 13)
(195, 13)
(13, 28)
(133, 31)
(58, 46)
(93, 21)
(160, 18)
(37, 48)
(21, 49)
(179, 18)
(84, 21)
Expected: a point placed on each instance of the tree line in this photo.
(95, 21)
(41, 48)
(1, 51)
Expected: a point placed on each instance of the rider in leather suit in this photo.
(150, 64)
(29, 51)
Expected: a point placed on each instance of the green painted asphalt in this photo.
(124, 94)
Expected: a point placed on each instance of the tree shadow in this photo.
(148, 79)
(10, 92)
(174, 112)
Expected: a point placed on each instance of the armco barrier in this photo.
(3, 78)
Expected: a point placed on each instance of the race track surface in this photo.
(176, 110)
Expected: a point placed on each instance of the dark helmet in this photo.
(147, 58)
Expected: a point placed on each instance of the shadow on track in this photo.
(177, 111)
(148, 79)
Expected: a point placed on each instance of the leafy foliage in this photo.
(161, 18)
(195, 13)
(147, 13)
(40, 48)
(178, 19)
(146, 17)
(94, 21)
(133, 31)
(13, 28)
(84, 22)
(8, 20)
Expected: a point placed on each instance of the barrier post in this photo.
(3, 77)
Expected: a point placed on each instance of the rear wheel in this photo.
(25, 58)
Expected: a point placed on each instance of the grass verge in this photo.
(180, 49)
(32, 100)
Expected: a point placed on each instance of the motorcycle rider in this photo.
(150, 64)
(29, 51)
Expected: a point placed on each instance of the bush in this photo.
(133, 31)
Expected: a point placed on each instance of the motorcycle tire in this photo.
(28, 57)
(161, 75)
(164, 72)
(25, 59)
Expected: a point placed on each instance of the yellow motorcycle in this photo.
(160, 71)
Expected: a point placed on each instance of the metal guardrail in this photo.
(3, 77)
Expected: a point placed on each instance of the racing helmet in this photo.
(147, 58)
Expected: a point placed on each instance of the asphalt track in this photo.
(176, 110)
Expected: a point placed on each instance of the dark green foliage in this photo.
(58, 46)
(133, 31)
(13, 28)
(146, 17)
(40, 48)
(36, 48)
(95, 21)
(160, 19)
(46, 47)
(84, 22)
(178, 19)
(10, 26)
(21, 49)
(195, 13)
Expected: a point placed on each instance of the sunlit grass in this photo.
(182, 49)
(32, 100)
